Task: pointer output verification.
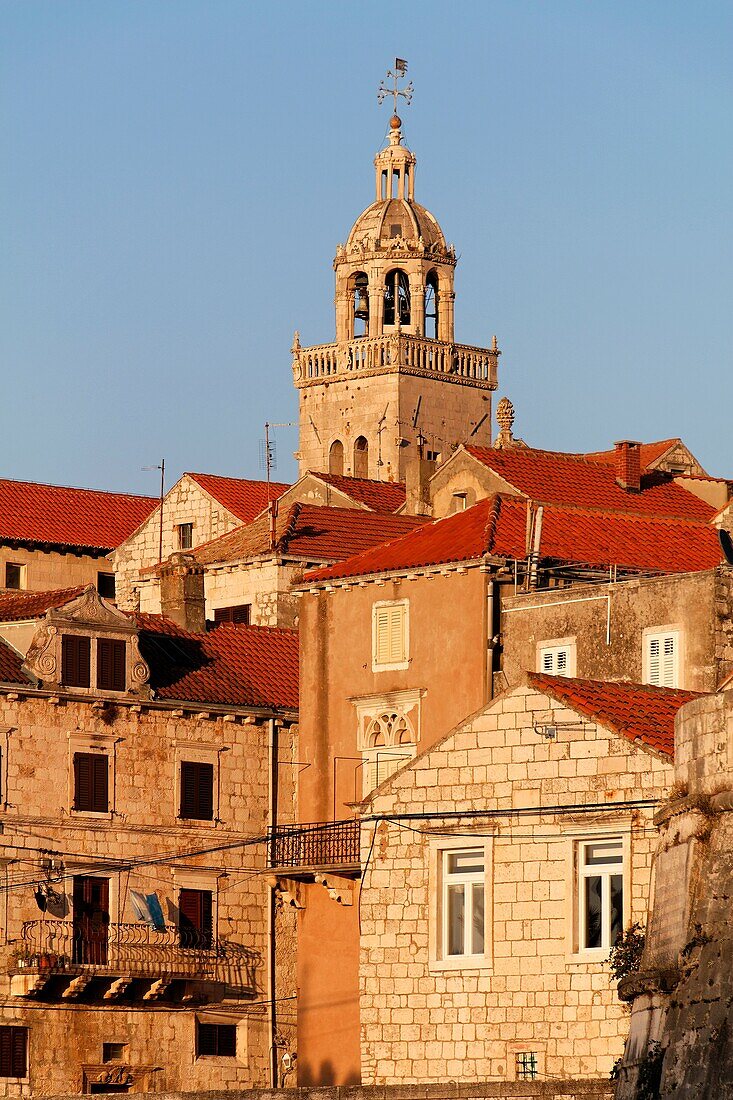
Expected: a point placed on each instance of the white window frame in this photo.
(404, 662)
(577, 844)
(23, 575)
(197, 752)
(440, 849)
(101, 744)
(554, 647)
(661, 634)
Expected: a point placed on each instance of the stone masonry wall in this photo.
(49, 569)
(535, 991)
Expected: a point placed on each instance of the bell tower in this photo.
(394, 390)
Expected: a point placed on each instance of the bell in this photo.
(361, 312)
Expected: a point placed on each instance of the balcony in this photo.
(398, 352)
(130, 961)
(319, 846)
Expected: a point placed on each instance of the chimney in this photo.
(417, 488)
(182, 592)
(628, 465)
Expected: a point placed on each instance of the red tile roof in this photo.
(636, 711)
(552, 476)
(243, 498)
(254, 666)
(378, 496)
(648, 453)
(11, 666)
(308, 531)
(58, 515)
(581, 536)
(17, 606)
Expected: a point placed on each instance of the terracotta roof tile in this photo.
(636, 711)
(59, 515)
(554, 477)
(649, 453)
(378, 496)
(243, 498)
(237, 665)
(580, 536)
(309, 531)
(11, 666)
(15, 606)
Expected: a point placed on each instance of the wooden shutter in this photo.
(111, 664)
(381, 639)
(389, 634)
(195, 918)
(75, 660)
(91, 782)
(662, 660)
(197, 790)
(206, 1039)
(396, 634)
(13, 1051)
(218, 1039)
(238, 614)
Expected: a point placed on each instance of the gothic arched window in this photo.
(396, 297)
(361, 457)
(431, 305)
(336, 457)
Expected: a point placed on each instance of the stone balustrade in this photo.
(396, 352)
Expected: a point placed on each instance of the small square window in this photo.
(240, 613)
(185, 536)
(216, 1039)
(14, 575)
(661, 659)
(526, 1065)
(390, 635)
(13, 1051)
(106, 585)
(114, 1052)
(557, 658)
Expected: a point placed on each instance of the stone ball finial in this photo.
(505, 414)
(395, 122)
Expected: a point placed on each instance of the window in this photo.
(241, 613)
(111, 658)
(388, 745)
(91, 782)
(557, 660)
(13, 1051)
(217, 1039)
(197, 790)
(525, 1064)
(336, 458)
(14, 575)
(463, 902)
(106, 585)
(396, 298)
(361, 457)
(662, 659)
(459, 502)
(195, 918)
(600, 893)
(75, 660)
(390, 635)
(185, 536)
(114, 1052)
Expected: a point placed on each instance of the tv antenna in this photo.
(160, 466)
(268, 462)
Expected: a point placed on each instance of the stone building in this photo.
(53, 536)
(498, 869)
(140, 768)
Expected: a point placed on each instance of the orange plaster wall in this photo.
(328, 990)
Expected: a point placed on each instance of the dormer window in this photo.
(75, 661)
(111, 658)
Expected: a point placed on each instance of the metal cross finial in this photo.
(398, 73)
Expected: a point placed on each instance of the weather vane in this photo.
(398, 73)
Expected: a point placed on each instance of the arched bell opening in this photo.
(431, 306)
(361, 457)
(360, 304)
(396, 298)
(336, 458)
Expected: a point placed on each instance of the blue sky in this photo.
(177, 174)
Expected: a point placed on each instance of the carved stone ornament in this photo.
(41, 660)
(139, 671)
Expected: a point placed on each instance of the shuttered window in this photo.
(195, 921)
(239, 614)
(197, 790)
(218, 1039)
(390, 634)
(555, 660)
(75, 660)
(110, 664)
(662, 658)
(91, 782)
(13, 1051)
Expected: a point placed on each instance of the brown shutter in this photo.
(110, 664)
(238, 614)
(75, 660)
(206, 1039)
(218, 1039)
(195, 918)
(13, 1051)
(100, 785)
(197, 790)
(91, 782)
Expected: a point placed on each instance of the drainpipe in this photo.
(271, 911)
(489, 669)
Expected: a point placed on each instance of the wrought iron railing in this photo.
(319, 844)
(397, 351)
(135, 949)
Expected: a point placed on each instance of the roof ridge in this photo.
(78, 489)
(293, 516)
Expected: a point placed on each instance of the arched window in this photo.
(336, 457)
(431, 306)
(361, 457)
(388, 745)
(396, 298)
(360, 302)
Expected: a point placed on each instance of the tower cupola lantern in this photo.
(394, 319)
